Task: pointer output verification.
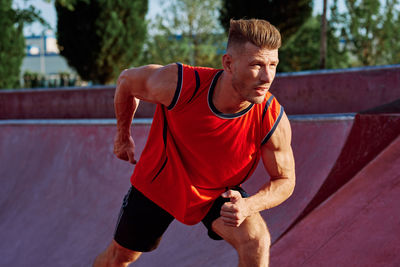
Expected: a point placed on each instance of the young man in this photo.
(210, 129)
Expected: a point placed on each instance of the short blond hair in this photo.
(256, 31)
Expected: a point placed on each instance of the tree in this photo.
(371, 31)
(99, 38)
(12, 42)
(389, 35)
(301, 51)
(322, 56)
(187, 31)
(286, 15)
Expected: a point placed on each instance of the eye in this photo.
(257, 65)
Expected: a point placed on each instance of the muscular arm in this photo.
(278, 160)
(151, 83)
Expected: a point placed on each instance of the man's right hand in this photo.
(124, 148)
(151, 83)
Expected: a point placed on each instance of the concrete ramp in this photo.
(58, 198)
(358, 226)
(62, 189)
(317, 143)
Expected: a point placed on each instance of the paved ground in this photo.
(62, 189)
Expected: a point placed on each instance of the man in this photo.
(209, 131)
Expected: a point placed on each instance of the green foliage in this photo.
(286, 15)
(33, 80)
(11, 46)
(188, 32)
(99, 38)
(301, 51)
(38, 80)
(12, 42)
(389, 36)
(371, 31)
(367, 33)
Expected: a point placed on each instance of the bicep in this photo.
(277, 153)
(151, 83)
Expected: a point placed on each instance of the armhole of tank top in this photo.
(267, 104)
(271, 132)
(178, 87)
(197, 77)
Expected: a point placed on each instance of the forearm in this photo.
(125, 106)
(271, 194)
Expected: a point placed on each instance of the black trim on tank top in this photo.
(165, 129)
(161, 169)
(267, 106)
(178, 87)
(215, 110)
(269, 134)
(250, 171)
(197, 76)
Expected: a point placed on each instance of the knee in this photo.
(259, 244)
(255, 242)
(123, 255)
(116, 255)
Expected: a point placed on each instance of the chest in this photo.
(199, 130)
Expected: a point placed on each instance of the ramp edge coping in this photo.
(323, 117)
(69, 122)
(141, 121)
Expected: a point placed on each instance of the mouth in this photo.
(261, 90)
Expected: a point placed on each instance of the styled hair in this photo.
(256, 31)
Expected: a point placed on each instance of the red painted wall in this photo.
(319, 92)
(343, 91)
(67, 103)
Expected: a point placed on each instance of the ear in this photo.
(227, 62)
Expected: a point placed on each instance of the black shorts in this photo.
(141, 223)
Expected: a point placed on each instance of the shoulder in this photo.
(152, 83)
(191, 83)
(150, 75)
(271, 117)
(282, 135)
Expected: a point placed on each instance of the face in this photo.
(252, 71)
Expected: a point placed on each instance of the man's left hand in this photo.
(234, 212)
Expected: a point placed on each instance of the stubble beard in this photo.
(245, 93)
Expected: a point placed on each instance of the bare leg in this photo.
(116, 256)
(251, 240)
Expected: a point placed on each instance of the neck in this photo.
(225, 97)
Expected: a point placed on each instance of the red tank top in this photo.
(194, 152)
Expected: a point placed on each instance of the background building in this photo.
(43, 65)
(42, 55)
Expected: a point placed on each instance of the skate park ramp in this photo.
(62, 189)
(358, 226)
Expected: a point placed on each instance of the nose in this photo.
(267, 75)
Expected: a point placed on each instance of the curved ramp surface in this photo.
(317, 143)
(62, 190)
(58, 199)
(357, 226)
(369, 135)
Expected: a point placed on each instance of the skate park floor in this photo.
(62, 189)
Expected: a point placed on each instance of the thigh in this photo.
(252, 228)
(141, 222)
